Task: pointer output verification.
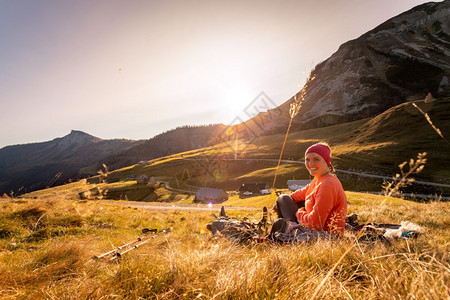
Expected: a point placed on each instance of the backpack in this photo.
(240, 230)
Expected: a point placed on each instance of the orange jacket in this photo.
(325, 206)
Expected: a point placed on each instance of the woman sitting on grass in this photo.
(324, 200)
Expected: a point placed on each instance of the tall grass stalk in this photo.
(392, 188)
(294, 108)
(427, 117)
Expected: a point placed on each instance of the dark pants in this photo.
(286, 207)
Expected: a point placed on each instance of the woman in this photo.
(325, 203)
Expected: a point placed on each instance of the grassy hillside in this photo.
(46, 248)
(400, 133)
(375, 146)
(173, 141)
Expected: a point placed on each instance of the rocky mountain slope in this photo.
(403, 59)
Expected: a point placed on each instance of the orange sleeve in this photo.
(324, 201)
(300, 195)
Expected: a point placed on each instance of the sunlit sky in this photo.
(133, 69)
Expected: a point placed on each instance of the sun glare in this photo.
(236, 99)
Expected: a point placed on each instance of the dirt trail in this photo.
(178, 207)
(169, 206)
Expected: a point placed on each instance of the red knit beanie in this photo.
(322, 150)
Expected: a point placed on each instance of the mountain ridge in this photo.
(173, 141)
(369, 74)
(78, 154)
(402, 59)
(31, 166)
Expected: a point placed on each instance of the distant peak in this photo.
(78, 132)
(77, 136)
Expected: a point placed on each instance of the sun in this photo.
(236, 99)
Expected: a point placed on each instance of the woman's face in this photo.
(316, 165)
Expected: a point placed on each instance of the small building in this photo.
(142, 179)
(209, 195)
(252, 188)
(152, 182)
(294, 185)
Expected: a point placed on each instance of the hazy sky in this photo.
(135, 68)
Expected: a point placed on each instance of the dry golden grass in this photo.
(46, 248)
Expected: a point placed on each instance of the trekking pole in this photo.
(119, 254)
(145, 230)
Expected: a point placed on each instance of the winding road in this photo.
(435, 197)
(337, 170)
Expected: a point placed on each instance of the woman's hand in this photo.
(299, 213)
